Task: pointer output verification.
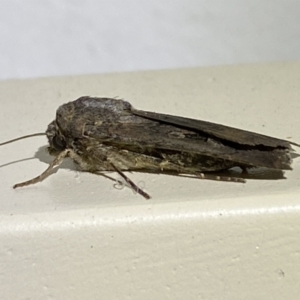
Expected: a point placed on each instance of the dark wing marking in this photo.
(223, 132)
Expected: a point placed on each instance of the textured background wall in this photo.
(42, 38)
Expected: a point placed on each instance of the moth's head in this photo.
(56, 140)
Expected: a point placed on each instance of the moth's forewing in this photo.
(223, 132)
(147, 130)
(212, 149)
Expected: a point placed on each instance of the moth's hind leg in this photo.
(166, 166)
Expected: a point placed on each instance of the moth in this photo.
(107, 134)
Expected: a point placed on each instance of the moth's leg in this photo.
(117, 181)
(219, 178)
(131, 183)
(182, 171)
(56, 162)
(185, 170)
(108, 166)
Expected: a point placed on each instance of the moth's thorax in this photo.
(76, 119)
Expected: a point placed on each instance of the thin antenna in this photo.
(23, 137)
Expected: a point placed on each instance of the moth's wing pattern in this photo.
(144, 133)
(223, 132)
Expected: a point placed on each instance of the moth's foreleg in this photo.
(56, 162)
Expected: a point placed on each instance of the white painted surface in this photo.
(75, 236)
(62, 37)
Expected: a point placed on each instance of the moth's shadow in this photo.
(255, 173)
(43, 156)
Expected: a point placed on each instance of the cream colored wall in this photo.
(55, 38)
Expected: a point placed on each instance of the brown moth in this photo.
(106, 134)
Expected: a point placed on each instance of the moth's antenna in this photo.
(23, 137)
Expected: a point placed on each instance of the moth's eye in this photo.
(58, 143)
